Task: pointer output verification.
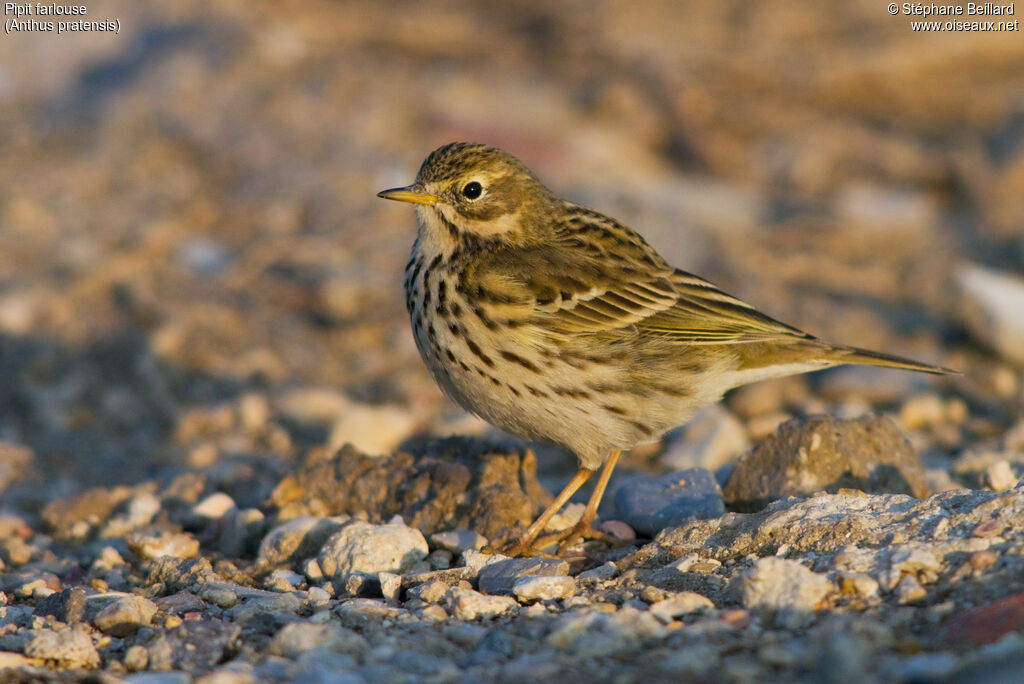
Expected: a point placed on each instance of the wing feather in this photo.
(563, 290)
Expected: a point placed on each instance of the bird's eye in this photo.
(472, 190)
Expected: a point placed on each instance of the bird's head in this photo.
(469, 189)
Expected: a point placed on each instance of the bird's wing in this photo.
(703, 314)
(569, 292)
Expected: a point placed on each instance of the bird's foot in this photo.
(566, 540)
(583, 532)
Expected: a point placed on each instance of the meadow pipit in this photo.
(557, 323)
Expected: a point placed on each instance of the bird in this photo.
(558, 324)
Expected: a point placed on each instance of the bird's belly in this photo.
(464, 365)
(583, 405)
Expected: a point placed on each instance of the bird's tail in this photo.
(866, 357)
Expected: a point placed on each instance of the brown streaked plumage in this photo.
(557, 323)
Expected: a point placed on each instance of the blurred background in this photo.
(195, 272)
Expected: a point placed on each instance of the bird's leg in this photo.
(525, 542)
(584, 528)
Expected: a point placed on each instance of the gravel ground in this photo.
(222, 461)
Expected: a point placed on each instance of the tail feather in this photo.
(866, 357)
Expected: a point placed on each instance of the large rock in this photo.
(805, 456)
(436, 485)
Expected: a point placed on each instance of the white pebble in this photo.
(543, 587)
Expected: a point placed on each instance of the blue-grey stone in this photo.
(498, 578)
(650, 504)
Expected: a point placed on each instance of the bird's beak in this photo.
(412, 193)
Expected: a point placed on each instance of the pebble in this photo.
(567, 517)
(500, 577)
(312, 570)
(318, 598)
(617, 530)
(203, 255)
(713, 438)
(364, 607)
(760, 427)
(259, 601)
(242, 532)
(390, 585)
(253, 411)
(430, 592)
(692, 562)
(467, 604)
(475, 561)
(125, 616)
(219, 595)
(858, 583)
(922, 411)
(372, 429)
(768, 397)
(993, 308)
(604, 571)
(929, 667)
(296, 638)
(871, 384)
(136, 658)
(16, 551)
(69, 648)
(109, 559)
(77, 514)
(213, 507)
(909, 590)
(682, 603)
(362, 547)
(67, 606)
(434, 613)
(543, 587)
(440, 559)
(871, 206)
(458, 541)
(24, 586)
(650, 504)
(180, 603)
(357, 584)
(987, 623)
(920, 562)
(158, 678)
(282, 580)
(307, 405)
(618, 632)
(1000, 477)
(150, 545)
(785, 587)
(139, 511)
(297, 539)
(198, 643)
